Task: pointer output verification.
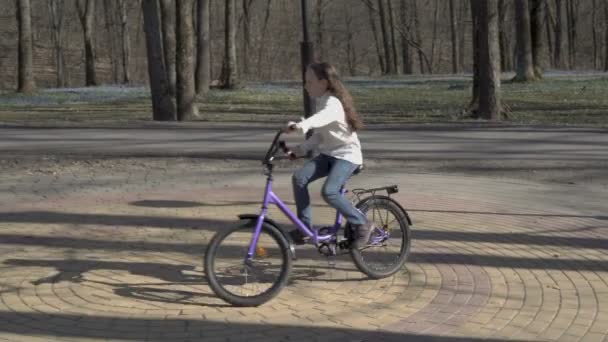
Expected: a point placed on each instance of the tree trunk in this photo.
(434, 39)
(525, 64)
(169, 26)
(418, 36)
(557, 55)
(24, 21)
(405, 46)
(246, 17)
(126, 42)
(454, 37)
(388, 56)
(185, 61)
(463, 11)
(505, 51)
(162, 104)
(571, 12)
(391, 15)
(372, 24)
(606, 36)
(87, 19)
(110, 30)
(475, 37)
(56, 8)
(320, 30)
(203, 60)
(549, 23)
(230, 73)
(489, 61)
(537, 13)
(263, 42)
(351, 56)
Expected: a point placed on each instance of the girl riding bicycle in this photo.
(335, 126)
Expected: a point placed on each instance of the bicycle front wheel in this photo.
(247, 282)
(389, 244)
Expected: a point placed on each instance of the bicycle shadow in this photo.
(170, 275)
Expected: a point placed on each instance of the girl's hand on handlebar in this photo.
(290, 127)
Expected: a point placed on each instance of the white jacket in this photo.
(332, 136)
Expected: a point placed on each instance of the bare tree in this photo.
(525, 63)
(203, 60)
(56, 10)
(418, 36)
(388, 56)
(372, 23)
(245, 19)
(489, 61)
(162, 104)
(185, 89)
(405, 46)
(351, 56)
(86, 12)
(126, 41)
(557, 54)
(169, 25)
(320, 21)
(263, 34)
(606, 35)
(229, 71)
(454, 37)
(26, 82)
(110, 30)
(434, 37)
(475, 37)
(572, 18)
(391, 14)
(537, 14)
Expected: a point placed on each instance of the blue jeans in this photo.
(338, 171)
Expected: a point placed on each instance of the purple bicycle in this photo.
(248, 265)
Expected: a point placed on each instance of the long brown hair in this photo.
(325, 71)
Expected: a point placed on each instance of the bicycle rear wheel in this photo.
(389, 244)
(252, 282)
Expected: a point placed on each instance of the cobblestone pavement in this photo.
(101, 253)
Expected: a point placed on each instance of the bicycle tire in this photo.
(247, 301)
(379, 203)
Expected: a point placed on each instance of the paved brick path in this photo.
(116, 255)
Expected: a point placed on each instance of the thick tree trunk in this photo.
(126, 42)
(87, 19)
(169, 25)
(537, 13)
(230, 72)
(525, 63)
(572, 15)
(489, 61)
(454, 37)
(185, 61)
(162, 104)
(26, 82)
(245, 18)
(505, 53)
(549, 24)
(56, 8)
(203, 59)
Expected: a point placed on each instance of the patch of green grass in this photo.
(563, 100)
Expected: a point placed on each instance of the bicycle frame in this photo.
(271, 198)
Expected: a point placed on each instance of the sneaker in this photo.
(362, 234)
(297, 237)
